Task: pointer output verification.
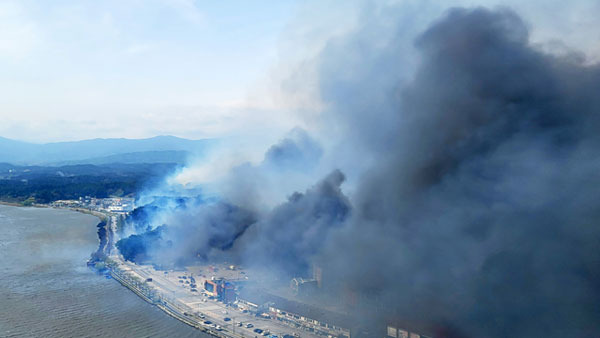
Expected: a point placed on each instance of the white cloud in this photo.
(187, 9)
(18, 33)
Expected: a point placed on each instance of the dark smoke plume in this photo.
(288, 166)
(477, 213)
(298, 151)
(292, 233)
(189, 234)
(480, 218)
(175, 230)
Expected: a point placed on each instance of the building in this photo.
(397, 330)
(220, 289)
(295, 314)
(303, 287)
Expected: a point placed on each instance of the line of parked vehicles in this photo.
(262, 332)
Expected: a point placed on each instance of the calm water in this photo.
(46, 290)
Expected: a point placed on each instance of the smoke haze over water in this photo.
(475, 210)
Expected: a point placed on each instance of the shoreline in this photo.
(134, 278)
(162, 304)
(98, 214)
(172, 307)
(103, 217)
(118, 271)
(17, 204)
(11, 204)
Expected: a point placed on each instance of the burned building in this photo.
(303, 287)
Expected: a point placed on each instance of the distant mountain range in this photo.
(159, 149)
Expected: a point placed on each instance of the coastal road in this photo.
(180, 295)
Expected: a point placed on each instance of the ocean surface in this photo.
(46, 289)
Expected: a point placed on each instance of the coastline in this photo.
(17, 204)
(129, 279)
(108, 262)
(11, 204)
(100, 215)
(116, 268)
(157, 300)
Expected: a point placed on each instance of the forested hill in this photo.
(44, 184)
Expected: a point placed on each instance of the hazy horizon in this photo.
(105, 138)
(81, 70)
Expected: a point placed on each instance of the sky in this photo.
(73, 70)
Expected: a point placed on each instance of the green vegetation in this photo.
(29, 201)
(35, 184)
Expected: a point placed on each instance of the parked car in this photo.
(249, 325)
(207, 322)
(257, 330)
(226, 319)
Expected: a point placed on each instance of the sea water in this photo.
(46, 289)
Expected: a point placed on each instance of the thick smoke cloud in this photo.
(476, 208)
(480, 217)
(176, 230)
(298, 151)
(196, 233)
(286, 239)
(289, 165)
(292, 233)
(181, 230)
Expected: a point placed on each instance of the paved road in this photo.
(193, 302)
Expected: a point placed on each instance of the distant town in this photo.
(112, 204)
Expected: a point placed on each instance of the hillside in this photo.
(46, 184)
(164, 156)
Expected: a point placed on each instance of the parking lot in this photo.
(177, 286)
